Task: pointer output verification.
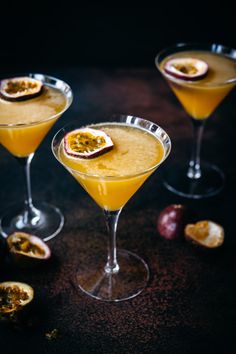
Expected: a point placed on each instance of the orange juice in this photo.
(200, 98)
(112, 178)
(23, 125)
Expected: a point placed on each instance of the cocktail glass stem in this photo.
(30, 215)
(112, 217)
(194, 168)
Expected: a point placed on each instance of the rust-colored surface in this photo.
(189, 305)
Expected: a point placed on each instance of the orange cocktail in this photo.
(111, 161)
(201, 76)
(29, 106)
(112, 178)
(200, 98)
(23, 125)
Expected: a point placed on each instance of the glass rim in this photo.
(219, 49)
(114, 121)
(50, 78)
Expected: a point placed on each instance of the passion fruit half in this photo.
(27, 249)
(189, 69)
(14, 295)
(20, 88)
(205, 233)
(87, 143)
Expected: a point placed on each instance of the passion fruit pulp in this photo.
(191, 69)
(87, 143)
(20, 88)
(205, 233)
(27, 249)
(14, 296)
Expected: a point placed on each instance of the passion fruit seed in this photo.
(186, 68)
(14, 295)
(87, 143)
(205, 233)
(20, 88)
(52, 335)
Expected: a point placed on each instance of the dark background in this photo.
(189, 305)
(52, 34)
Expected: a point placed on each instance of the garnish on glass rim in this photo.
(186, 68)
(87, 143)
(20, 88)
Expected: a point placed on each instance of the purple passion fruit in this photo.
(171, 221)
(189, 69)
(20, 88)
(14, 296)
(27, 249)
(87, 143)
(205, 233)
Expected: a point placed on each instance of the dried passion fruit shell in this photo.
(87, 143)
(20, 88)
(27, 249)
(186, 68)
(14, 295)
(205, 233)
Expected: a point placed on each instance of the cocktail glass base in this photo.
(128, 282)
(46, 221)
(209, 184)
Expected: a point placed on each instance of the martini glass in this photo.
(125, 274)
(22, 139)
(199, 99)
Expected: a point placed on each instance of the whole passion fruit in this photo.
(20, 88)
(171, 221)
(205, 233)
(27, 250)
(87, 143)
(13, 296)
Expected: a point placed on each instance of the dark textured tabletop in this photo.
(189, 305)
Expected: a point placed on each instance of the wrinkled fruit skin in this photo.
(205, 234)
(171, 221)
